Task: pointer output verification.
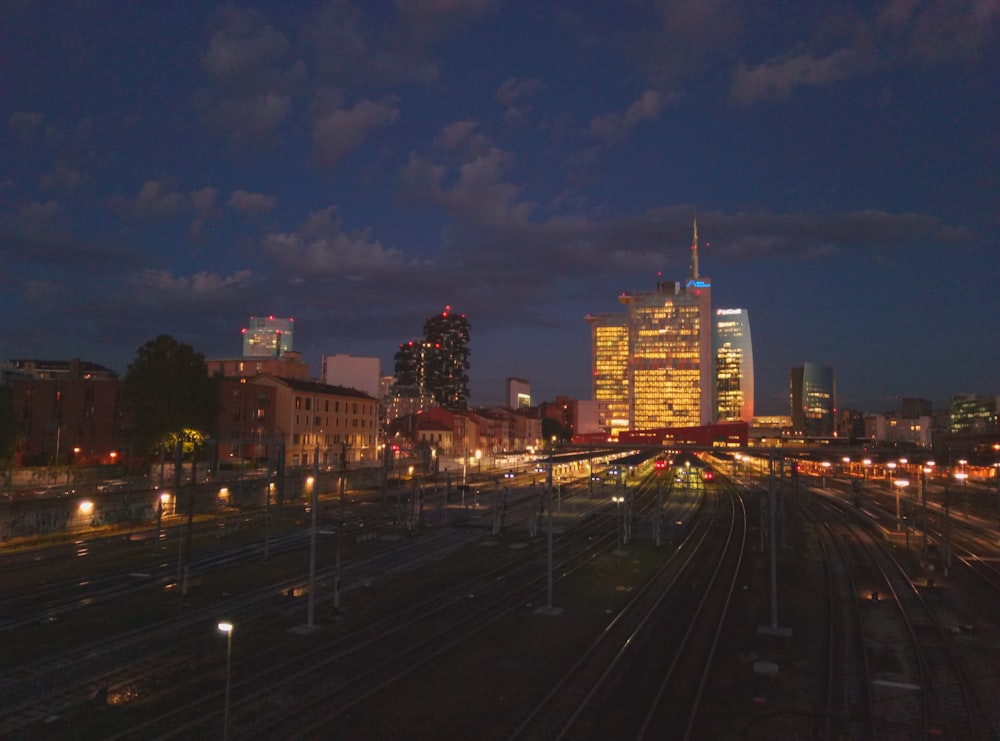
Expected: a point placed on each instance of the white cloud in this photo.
(778, 78)
(321, 246)
(517, 97)
(251, 204)
(612, 125)
(161, 285)
(337, 132)
(155, 200)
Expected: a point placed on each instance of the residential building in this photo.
(68, 412)
(363, 374)
(438, 365)
(315, 418)
(288, 365)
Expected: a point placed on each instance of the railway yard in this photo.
(674, 601)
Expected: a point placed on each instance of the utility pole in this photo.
(314, 506)
(340, 525)
(190, 522)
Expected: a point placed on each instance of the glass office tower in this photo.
(267, 337)
(813, 400)
(732, 351)
(609, 343)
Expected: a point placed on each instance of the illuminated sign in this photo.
(727, 312)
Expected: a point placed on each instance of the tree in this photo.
(170, 394)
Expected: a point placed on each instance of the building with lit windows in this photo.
(438, 365)
(733, 356)
(518, 393)
(666, 372)
(316, 420)
(671, 373)
(973, 413)
(289, 365)
(813, 400)
(267, 337)
(609, 340)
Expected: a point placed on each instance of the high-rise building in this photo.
(609, 339)
(813, 400)
(439, 364)
(973, 413)
(733, 354)
(448, 359)
(670, 352)
(518, 393)
(267, 337)
(668, 367)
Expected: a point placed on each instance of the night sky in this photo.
(178, 167)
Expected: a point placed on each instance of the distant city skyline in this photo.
(359, 166)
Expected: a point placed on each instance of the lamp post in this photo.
(826, 468)
(890, 470)
(479, 462)
(928, 468)
(227, 628)
(996, 448)
(901, 484)
(313, 483)
(618, 518)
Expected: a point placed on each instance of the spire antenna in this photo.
(694, 250)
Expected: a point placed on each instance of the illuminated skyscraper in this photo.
(267, 337)
(733, 354)
(813, 400)
(438, 365)
(667, 372)
(609, 338)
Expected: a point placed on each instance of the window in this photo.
(308, 404)
(298, 402)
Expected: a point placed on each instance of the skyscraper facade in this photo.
(267, 337)
(609, 339)
(448, 359)
(732, 351)
(438, 365)
(667, 335)
(813, 400)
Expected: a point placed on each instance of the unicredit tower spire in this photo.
(694, 251)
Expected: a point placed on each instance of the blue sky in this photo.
(177, 168)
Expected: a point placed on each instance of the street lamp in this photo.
(826, 468)
(901, 484)
(618, 518)
(479, 462)
(890, 469)
(996, 448)
(227, 628)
